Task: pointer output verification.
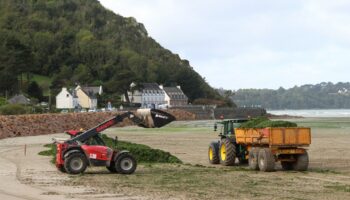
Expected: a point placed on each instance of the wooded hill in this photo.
(319, 96)
(79, 41)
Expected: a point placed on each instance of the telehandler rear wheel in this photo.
(227, 152)
(266, 160)
(253, 159)
(125, 164)
(302, 162)
(75, 163)
(213, 153)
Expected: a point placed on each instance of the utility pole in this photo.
(49, 99)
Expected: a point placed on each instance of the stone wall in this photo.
(40, 124)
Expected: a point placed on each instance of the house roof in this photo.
(92, 90)
(175, 93)
(151, 87)
(73, 93)
(19, 99)
(70, 91)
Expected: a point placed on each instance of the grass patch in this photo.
(50, 152)
(339, 187)
(263, 122)
(142, 153)
(322, 171)
(187, 181)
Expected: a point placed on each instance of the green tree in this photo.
(35, 91)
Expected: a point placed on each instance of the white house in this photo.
(66, 100)
(148, 95)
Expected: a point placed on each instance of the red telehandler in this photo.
(88, 148)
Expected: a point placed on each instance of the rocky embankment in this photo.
(41, 124)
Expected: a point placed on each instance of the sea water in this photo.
(313, 112)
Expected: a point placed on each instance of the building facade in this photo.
(174, 96)
(148, 95)
(66, 99)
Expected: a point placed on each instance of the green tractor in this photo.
(226, 150)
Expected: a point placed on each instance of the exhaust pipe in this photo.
(153, 118)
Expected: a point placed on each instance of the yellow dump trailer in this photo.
(274, 137)
(268, 145)
(261, 147)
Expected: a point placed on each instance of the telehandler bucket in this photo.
(153, 118)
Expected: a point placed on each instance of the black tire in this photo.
(302, 162)
(111, 168)
(266, 160)
(227, 152)
(253, 159)
(75, 163)
(125, 164)
(213, 153)
(287, 165)
(61, 169)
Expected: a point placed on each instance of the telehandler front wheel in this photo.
(75, 163)
(213, 153)
(112, 168)
(125, 164)
(61, 169)
(227, 152)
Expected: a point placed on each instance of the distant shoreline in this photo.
(323, 113)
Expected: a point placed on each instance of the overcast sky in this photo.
(251, 43)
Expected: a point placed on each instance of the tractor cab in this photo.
(227, 127)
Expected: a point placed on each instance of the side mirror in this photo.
(215, 127)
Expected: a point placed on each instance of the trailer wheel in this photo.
(125, 164)
(302, 162)
(266, 160)
(75, 163)
(213, 153)
(253, 159)
(287, 165)
(227, 153)
(243, 161)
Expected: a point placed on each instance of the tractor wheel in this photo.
(227, 153)
(287, 165)
(125, 164)
(75, 163)
(253, 159)
(213, 153)
(266, 160)
(302, 162)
